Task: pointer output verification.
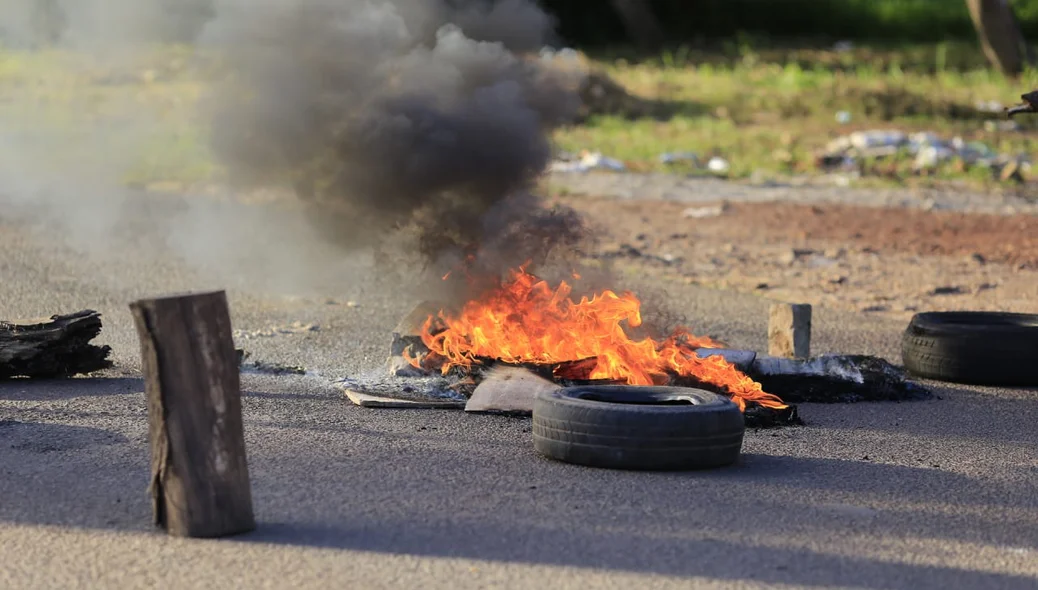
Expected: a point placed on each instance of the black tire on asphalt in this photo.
(980, 348)
(638, 428)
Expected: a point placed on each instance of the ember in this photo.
(526, 321)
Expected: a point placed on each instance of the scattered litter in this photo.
(629, 251)
(273, 368)
(367, 400)
(1014, 168)
(990, 106)
(333, 301)
(588, 161)
(877, 138)
(843, 117)
(844, 181)
(265, 367)
(927, 152)
(875, 308)
(378, 390)
(947, 290)
(704, 212)
(678, 157)
(931, 156)
(293, 328)
(973, 152)
(819, 261)
(837, 162)
(718, 165)
(1009, 125)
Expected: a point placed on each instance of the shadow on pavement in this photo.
(684, 524)
(42, 437)
(627, 550)
(986, 415)
(60, 389)
(440, 484)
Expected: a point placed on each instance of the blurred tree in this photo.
(47, 23)
(640, 22)
(1000, 35)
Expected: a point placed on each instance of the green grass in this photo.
(770, 112)
(137, 121)
(766, 110)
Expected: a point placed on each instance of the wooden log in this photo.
(52, 348)
(789, 330)
(199, 473)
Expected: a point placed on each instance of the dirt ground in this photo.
(891, 261)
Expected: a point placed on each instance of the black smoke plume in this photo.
(424, 122)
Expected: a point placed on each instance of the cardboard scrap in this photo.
(366, 400)
(508, 390)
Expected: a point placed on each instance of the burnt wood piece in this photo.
(55, 348)
(199, 473)
(1029, 105)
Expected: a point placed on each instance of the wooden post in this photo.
(199, 473)
(789, 330)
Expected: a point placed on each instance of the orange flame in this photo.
(524, 320)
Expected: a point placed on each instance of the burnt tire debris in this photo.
(973, 347)
(638, 428)
(836, 379)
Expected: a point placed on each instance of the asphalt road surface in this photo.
(934, 494)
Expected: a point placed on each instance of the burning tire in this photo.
(981, 348)
(642, 428)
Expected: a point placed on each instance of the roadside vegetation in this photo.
(767, 110)
(772, 111)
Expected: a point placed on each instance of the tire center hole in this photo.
(636, 401)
